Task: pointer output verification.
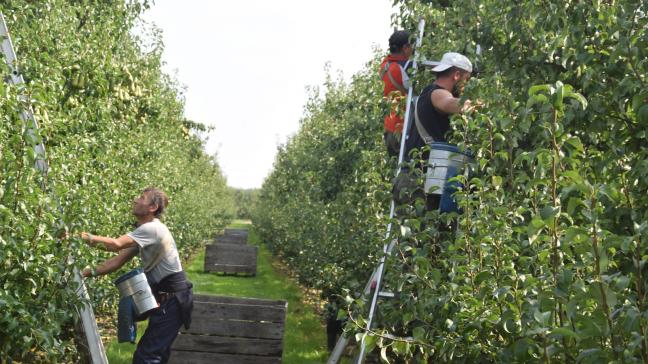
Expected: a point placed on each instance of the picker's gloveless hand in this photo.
(87, 237)
(470, 106)
(87, 272)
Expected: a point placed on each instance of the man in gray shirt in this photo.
(161, 263)
(157, 250)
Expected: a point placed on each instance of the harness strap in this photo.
(399, 86)
(427, 138)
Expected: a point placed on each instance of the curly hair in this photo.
(157, 197)
(398, 40)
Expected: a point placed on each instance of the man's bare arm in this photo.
(111, 244)
(444, 101)
(113, 263)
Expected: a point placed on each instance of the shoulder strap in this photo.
(384, 70)
(427, 138)
(399, 86)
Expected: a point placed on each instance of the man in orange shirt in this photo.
(396, 83)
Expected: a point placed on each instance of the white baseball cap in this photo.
(451, 59)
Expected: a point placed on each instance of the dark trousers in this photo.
(334, 328)
(392, 143)
(155, 345)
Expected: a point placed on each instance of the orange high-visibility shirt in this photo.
(394, 90)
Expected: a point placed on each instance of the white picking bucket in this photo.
(135, 284)
(446, 161)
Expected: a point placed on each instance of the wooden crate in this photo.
(230, 239)
(231, 258)
(232, 330)
(237, 232)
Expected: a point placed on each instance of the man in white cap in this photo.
(440, 100)
(432, 119)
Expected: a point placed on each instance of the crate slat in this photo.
(228, 345)
(196, 357)
(231, 258)
(240, 300)
(228, 311)
(223, 239)
(232, 330)
(236, 232)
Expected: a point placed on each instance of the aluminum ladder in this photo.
(378, 273)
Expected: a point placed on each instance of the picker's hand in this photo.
(88, 238)
(470, 106)
(87, 272)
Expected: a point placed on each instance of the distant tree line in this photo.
(245, 200)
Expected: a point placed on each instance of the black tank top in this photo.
(436, 123)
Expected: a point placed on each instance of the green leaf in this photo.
(622, 282)
(422, 265)
(521, 347)
(359, 336)
(577, 144)
(383, 354)
(435, 275)
(549, 212)
(590, 354)
(537, 99)
(406, 231)
(534, 228)
(370, 342)
(572, 204)
(558, 96)
(400, 347)
(542, 317)
(482, 277)
(610, 296)
(604, 260)
(497, 182)
(578, 97)
(534, 90)
(642, 114)
(564, 332)
(639, 100)
(419, 333)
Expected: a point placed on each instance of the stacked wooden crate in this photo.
(230, 254)
(232, 330)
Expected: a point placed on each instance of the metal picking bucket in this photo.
(445, 161)
(134, 284)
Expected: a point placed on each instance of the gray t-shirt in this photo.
(157, 250)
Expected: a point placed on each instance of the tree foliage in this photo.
(245, 201)
(322, 207)
(112, 124)
(548, 262)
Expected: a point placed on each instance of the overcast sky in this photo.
(246, 64)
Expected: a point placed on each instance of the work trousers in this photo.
(392, 143)
(155, 345)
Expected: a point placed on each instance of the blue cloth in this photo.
(448, 202)
(126, 326)
(155, 345)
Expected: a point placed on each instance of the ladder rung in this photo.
(386, 294)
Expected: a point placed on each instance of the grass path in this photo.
(304, 335)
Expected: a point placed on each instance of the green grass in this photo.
(304, 334)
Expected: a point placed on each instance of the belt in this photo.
(164, 296)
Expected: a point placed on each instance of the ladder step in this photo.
(386, 294)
